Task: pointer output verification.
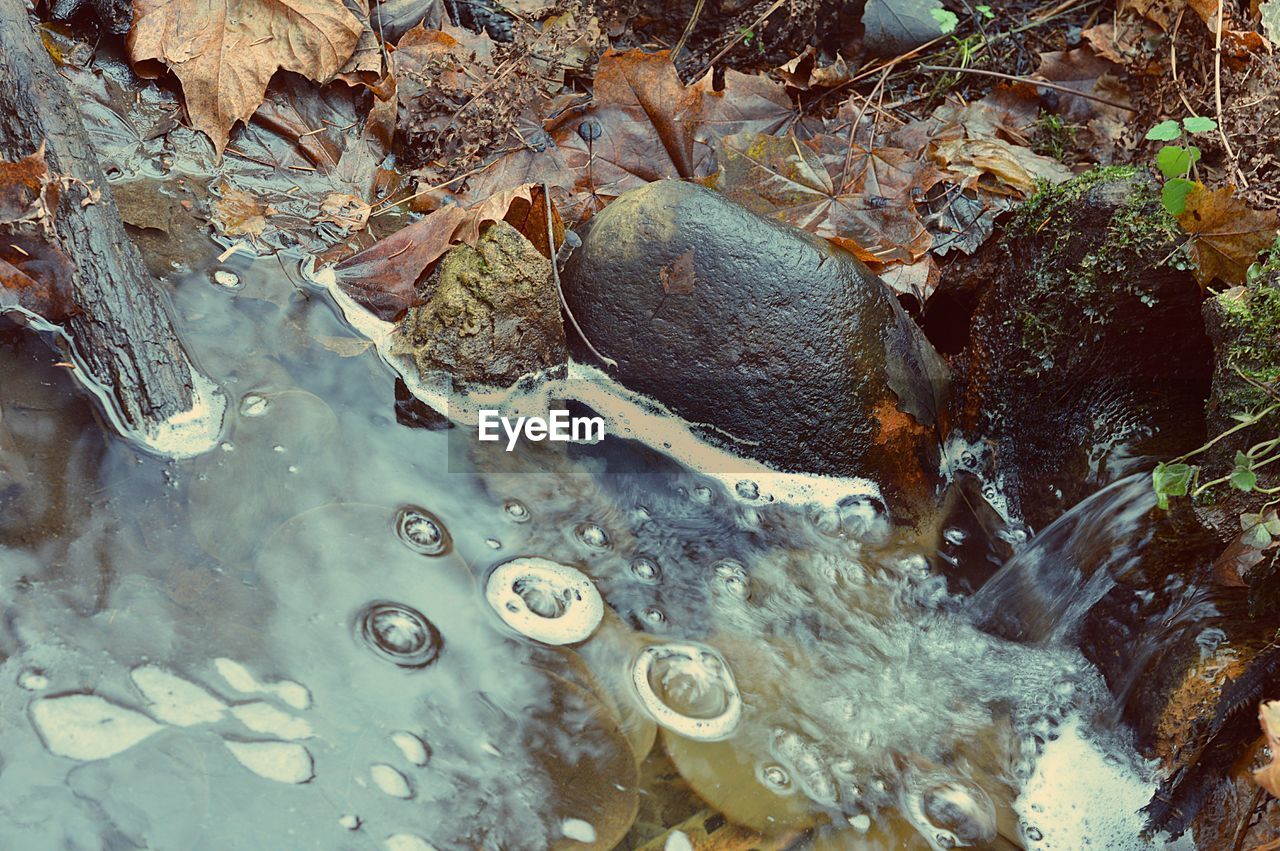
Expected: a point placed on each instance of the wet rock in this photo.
(1244, 325)
(777, 344)
(1087, 350)
(490, 313)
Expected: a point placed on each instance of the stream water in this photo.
(336, 631)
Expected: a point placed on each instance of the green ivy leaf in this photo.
(1176, 160)
(1174, 195)
(1199, 124)
(1243, 479)
(947, 20)
(1170, 480)
(1258, 537)
(1165, 131)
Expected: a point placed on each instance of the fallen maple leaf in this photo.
(224, 52)
(1226, 234)
(1013, 168)
(1268, 777)
(861, 200)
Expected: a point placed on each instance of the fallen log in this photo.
(122, 336)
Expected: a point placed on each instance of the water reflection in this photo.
(249, 649)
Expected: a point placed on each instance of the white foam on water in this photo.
(578, 830)
(390, 781)
(283, 762)
(186, 434)
(407, 842)
(626, 413)
(87, 727)
(266, 719)
(243, 680)
(175, 700)
(1084, 795)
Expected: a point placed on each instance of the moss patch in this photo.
(1251, 319)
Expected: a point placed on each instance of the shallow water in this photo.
(315, 637)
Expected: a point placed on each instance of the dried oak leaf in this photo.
(384, 276)
(1226, 234)
(224, 52)
(1268, 777)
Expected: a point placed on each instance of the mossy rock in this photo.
(1087, 351)
(489, 313)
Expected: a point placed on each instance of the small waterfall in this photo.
(1042, 594)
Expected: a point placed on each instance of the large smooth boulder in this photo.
(775, 343)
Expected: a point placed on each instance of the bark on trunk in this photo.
(122, 332)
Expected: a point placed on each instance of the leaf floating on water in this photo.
(224, 52)
(1226, 233)
(87, 727)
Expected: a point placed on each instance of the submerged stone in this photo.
(772, 342)
(490, 313)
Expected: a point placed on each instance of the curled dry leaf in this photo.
(1007, 169)
(1226, 234)
(224, 52)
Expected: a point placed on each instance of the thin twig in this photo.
(775, 6)
(1217, 93)
(1044, 84)
(555, 276)
(688, 29)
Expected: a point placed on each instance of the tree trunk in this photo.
(121, 331)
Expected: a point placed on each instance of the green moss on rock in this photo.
(490, 313)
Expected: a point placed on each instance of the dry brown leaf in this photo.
(345, 211)
(859, 199)
(1268, 777)
(679, 277)
(384, 276)
(236, 212)
(225, 52)
(35, 275)
(1226, 234)
(1013, 169)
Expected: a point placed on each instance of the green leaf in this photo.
(1165, 131)
(985, 11)
(1170, 480)
(1199, 124)
(1174, 195)
(1243, 479)
(1176, 161)
(946, 19)
(1272, 522)
(1257, 537)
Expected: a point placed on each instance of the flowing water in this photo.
(338, 631)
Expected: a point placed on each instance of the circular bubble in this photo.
(516, 511)
(646, 570)
(399, 634)
(731, 577)
(592, 535)
(422, 531)
(775, 777)
(548, 602)
(951, 812)
(688, 689)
